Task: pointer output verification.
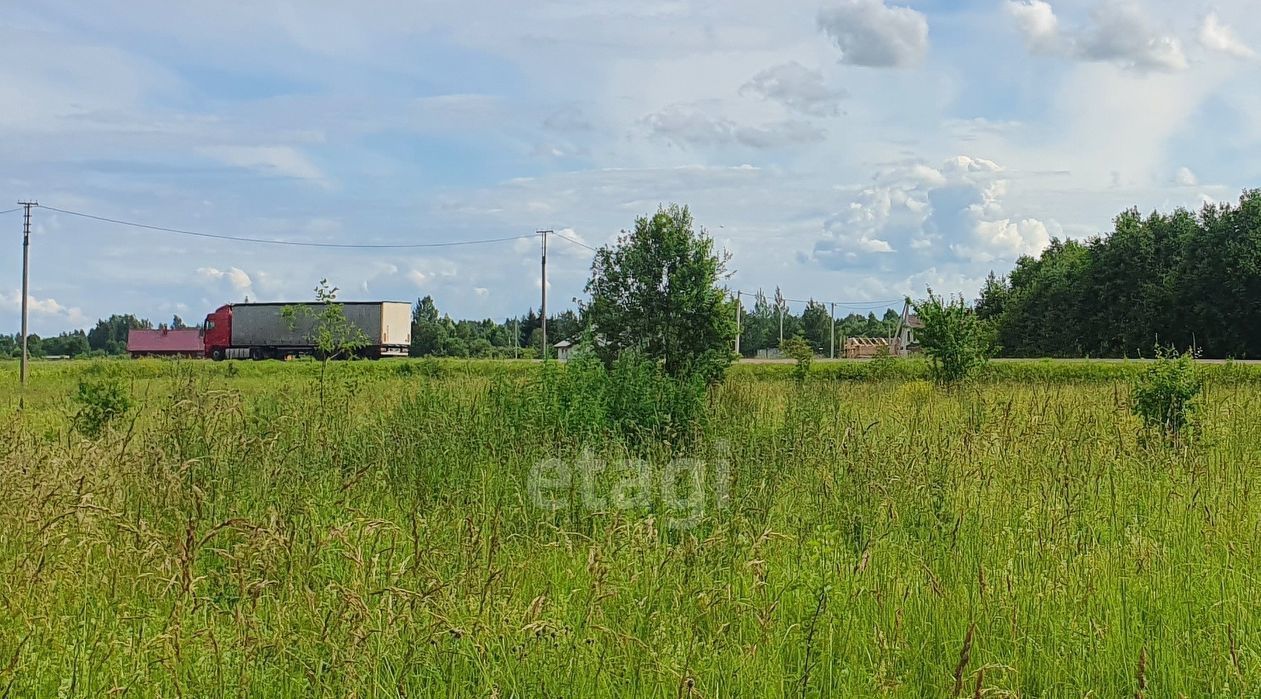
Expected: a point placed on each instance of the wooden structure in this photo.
(903, 343)
(866, 347)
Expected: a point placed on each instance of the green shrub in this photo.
(1165, 395)
(101, 401)
(957, 342)
(882, 367)
(797, 349)
(634, 398)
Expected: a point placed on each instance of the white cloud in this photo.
(1037, 21)
(918, 211)
(870, 33)
(1119, 32)
(573, 246)
(1219, 37)
(280, 161)
(233, 276)
(798, 88)
(49, 307)
(1006, 239)
(689, 125)
(1186, 178)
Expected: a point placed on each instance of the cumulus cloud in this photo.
(690, 126)
(1118, 32)
(1186, 178)
(280, 161)
(1036, 20)
(798, 88)
(1217, 36)
(870, 33)
(42, 307)
(917, 210)
(235, 277)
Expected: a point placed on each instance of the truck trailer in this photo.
(265, 331)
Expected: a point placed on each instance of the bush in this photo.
(1166, 394)
(798, 349)
(957, 342)
(634, 398)
(101, 402)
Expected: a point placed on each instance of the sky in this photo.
(855, 151)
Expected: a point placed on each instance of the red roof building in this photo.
(165, 343)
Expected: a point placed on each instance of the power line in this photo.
(9, 211)
(851, 304)
(295, 243)
(575, 242)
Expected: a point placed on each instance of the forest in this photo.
(1182, 280)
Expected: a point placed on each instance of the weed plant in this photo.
(873, 539)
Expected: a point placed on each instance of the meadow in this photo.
(426, 528)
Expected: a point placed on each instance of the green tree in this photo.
(331, 334)
(756, 326)
(659, 290)
(110, 335)
(955, 340)
(816, 325)
(428, 332)
(799, 350)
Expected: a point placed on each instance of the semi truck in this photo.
(267, 331)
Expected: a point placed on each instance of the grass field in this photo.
(419, 528)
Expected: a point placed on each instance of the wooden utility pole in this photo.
(26, 293)
(832, 327)
(543, 286)
(737, 323)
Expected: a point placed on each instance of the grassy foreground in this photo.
(410, 530)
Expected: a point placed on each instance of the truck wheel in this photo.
(216, 355)
(257, 354)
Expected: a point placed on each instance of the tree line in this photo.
(435, 334)
(770, 320)
(1181, 280)
(107, 338)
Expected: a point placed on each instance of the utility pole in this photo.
(516, 338)
(781, 325)
(543, 286)
(832, 326)
(738, 322)
(26, 292)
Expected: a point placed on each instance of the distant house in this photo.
(165, 343)
(904, 342)
(563, 348)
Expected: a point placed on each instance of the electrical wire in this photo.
(848, 304)
(295, 243)
(9, 211)
(395, 246)
(575, 242)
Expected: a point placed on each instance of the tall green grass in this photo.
(234, 536)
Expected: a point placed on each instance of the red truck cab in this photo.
(218, 333)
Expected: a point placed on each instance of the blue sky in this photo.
(847, 150)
